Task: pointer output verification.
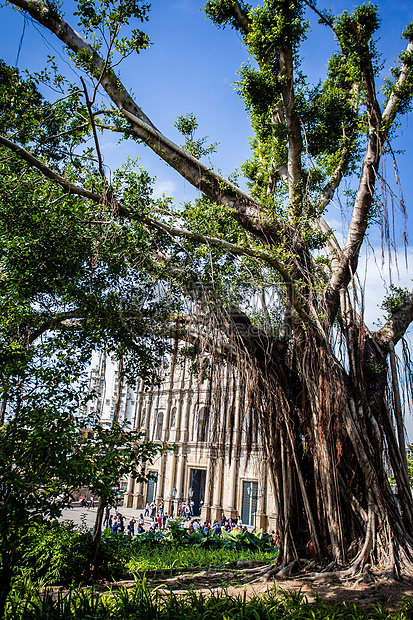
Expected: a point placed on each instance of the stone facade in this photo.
(180, 412)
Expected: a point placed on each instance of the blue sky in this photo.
(191, 67)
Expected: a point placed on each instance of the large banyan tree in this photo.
(321, 387)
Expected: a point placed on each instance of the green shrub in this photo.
(59, 553)
(55, 552)
(183, 537)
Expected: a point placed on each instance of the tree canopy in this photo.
(251, 275)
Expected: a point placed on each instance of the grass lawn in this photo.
(172, 556)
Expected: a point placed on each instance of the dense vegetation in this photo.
(53, 553)
(145, 604)
(84, 256)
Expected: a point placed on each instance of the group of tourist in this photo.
(160, 521)
(116, 523)
(151, 510)
(217, 527)
(184, 510)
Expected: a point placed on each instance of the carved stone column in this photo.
(206, 508)
(138, 498)
(230, 503)
(230, 507)
(128, 499)
(260, 515)
(216, 509)
(171, 468)
(180, 473)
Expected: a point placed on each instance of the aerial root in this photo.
(299, 570)
(360, 571)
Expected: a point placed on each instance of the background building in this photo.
(208, 463)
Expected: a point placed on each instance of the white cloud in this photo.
(377, 286)
(169, 188)
(377, 279)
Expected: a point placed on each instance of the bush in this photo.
(229, 540)
(55, 552)
(59, 553)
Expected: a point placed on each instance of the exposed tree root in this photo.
(360, 570)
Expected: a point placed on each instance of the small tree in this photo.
(52, 264)
(43, 455)
(108, 456)
(40, 447)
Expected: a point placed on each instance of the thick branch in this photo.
(332, 246)
(295, 143)
(322, 18)
(278, 167)
(221, 245)
(397, 324)
(53, 323)
(359, 221)
(390, 112)
(70, 188)
(246, 210)
(334, 181)
(240, 17)
(209, 342)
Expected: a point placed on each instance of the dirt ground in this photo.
(386, 592)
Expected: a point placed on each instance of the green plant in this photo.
(54, 553)
(153, 604)
(175, 556)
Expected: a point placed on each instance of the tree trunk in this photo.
(330, 427)
(97, 536)
(6, 575)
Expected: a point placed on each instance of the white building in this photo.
(104, 382)
(201, 419)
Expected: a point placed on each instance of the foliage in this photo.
(41, 458)
(125, 257)
(56, 553)
(187, 126)
(109, 17)
(142, 602)
(409, 466)
(394, 299)
(44, 455)
(110, 454)
(53, 553)
(182, 536)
